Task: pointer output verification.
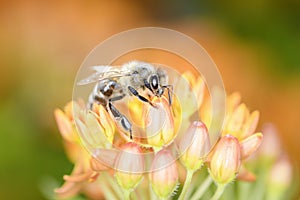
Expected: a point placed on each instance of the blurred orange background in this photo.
(255, 45)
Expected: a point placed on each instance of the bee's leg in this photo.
(170, 90)
(135, 93)
(120, 118)
(117, 98)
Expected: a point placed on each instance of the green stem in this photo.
(133, 195)
(218, 192)
(114, 185)
(126, 194)
(187, 183)
(259, 189)
(202, 189)
(152, 195)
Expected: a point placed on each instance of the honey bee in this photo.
(114, 83)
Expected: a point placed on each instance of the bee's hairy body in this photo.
(132, 78)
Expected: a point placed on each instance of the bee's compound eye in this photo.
(154, 82)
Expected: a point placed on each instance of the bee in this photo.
(113, 84)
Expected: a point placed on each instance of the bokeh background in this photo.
(256, 46)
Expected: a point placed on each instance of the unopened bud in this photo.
(129, 166)
(271, 147)
(225, 160)
(164, 175)
(280, 178)
(194, 146)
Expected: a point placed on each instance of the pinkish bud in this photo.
(280, 178)
(225, 160)
(129, 166)
(164, 175)
(194, 146)
(271, 145)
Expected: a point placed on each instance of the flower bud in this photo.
(280, 178)
(159, 123)
(129, 166)
(194, 146)
(225, 160)
(164, 175)
(271, 147)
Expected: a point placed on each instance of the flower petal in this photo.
(250, 144)
(159, 123)
(97, 133)
(245, 175)
(233, 101)
(107, 123)
(69, 189)
(97, 165)
(78, 177)
(198, 89)
(64, 125)
(236, 121)
(251, 123)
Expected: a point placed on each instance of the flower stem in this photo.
(152, 195)
(187, 183)
(202, 189)
(126, 194)
(218, 192)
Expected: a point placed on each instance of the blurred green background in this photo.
(256, 46)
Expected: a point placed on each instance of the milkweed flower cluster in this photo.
(200, 162)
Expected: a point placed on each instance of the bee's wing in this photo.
(103, 72)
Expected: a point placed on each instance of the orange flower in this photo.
(240, 123)
(96, 127)
(155, 129)
(83, 171)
